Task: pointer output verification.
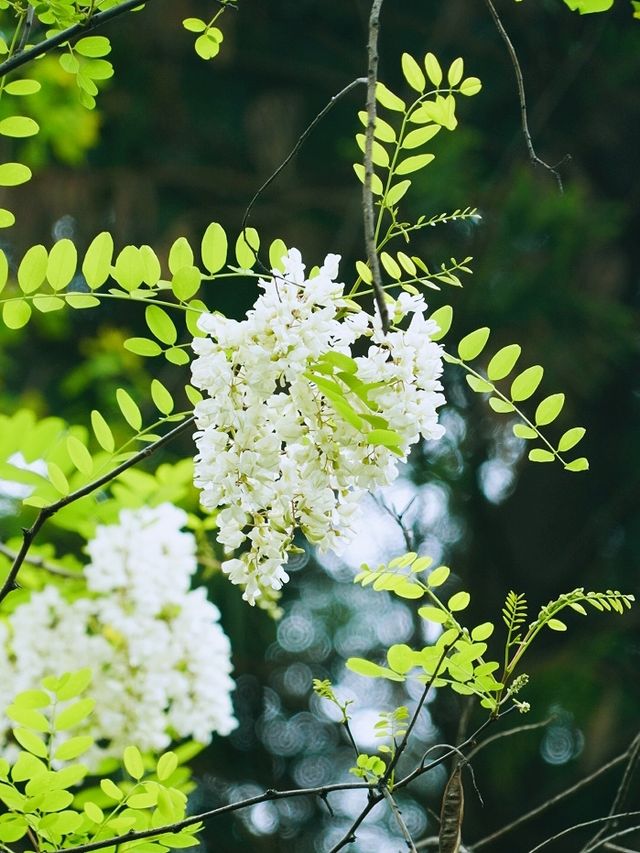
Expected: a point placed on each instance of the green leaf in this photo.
(81, 300)
(31, 742)
(413, 164)
(413, 73)
(96, 266)
(143, 346)
(438, 576)
(129, 409)
(161, 397)
(396, 193)
(376, 183)
(523, 431)
(22, 87)
(16, 313)
(93, 46)
(442, 317)
(186, 282)
(549, 409)
(55, 801)
(32, 269)
(32, 699)
(6, 218)
(503, 362)
(160, 324)
(372, 670)
(434, 71)
(151, 265)
(247, 246)
(384, 438)
(421, 135)
(556, 625)
(13, 827)
(387, 99)
(69, 685)
(433, 614)
(93, 812)
(29, 717)
(166, 765)
(539, 454)
(79, 455)
(570, 438)
(459, 601)
(13, 174)
(62, 263)
(194, 25)
(214, 248)
(176, 355)
(526, 383)
(391, 265)
(482, 632)
(401, 658)
(480, 386)
(133, 762)
(456, 70)
(72, 748)
(180, 255)
(57, 478)
(45, 304)
(129, 269)
(472, 344)
(580, 464)
(471, 86)
(341, 361)
(4, 270)
(18, 127)
(111, 790)
(102, 431)
(74, 714)
(503, 407)
(587, 7)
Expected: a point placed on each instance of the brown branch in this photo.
(29, 534)
(633, 754)
(550, 802)
(583, 825)
(399, 820)
(367, 194)
(522, 97)
(69, 33)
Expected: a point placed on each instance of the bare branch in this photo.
(522, 97)
(367, 194)
(514, 731)
(604, 842)
(29, 535)
(594, 822)
(618, 801)
(550, 802)
(399, 820)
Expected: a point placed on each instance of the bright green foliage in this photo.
(42, 801)
(369, 767)
(458, 659)
(209, 37)
(521, 388)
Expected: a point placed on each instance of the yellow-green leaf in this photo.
(413, 73)
(62, 263)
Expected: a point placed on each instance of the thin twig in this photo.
(399, 820)
(522, 97)
(40, 563)
(550, 802)
(24, 35)
(618, 849)
(618, 801)
(603, 842)
(301, 139)
(29, 534)
(367, 193)
(594, 822)
(63, 36)
(529, 727)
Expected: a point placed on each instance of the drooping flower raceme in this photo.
(294, 426)
(160, 660)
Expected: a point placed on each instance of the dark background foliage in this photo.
(183, 142)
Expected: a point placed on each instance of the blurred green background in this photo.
(178, 143)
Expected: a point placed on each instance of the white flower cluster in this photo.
(274, 454)
(160, 660)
